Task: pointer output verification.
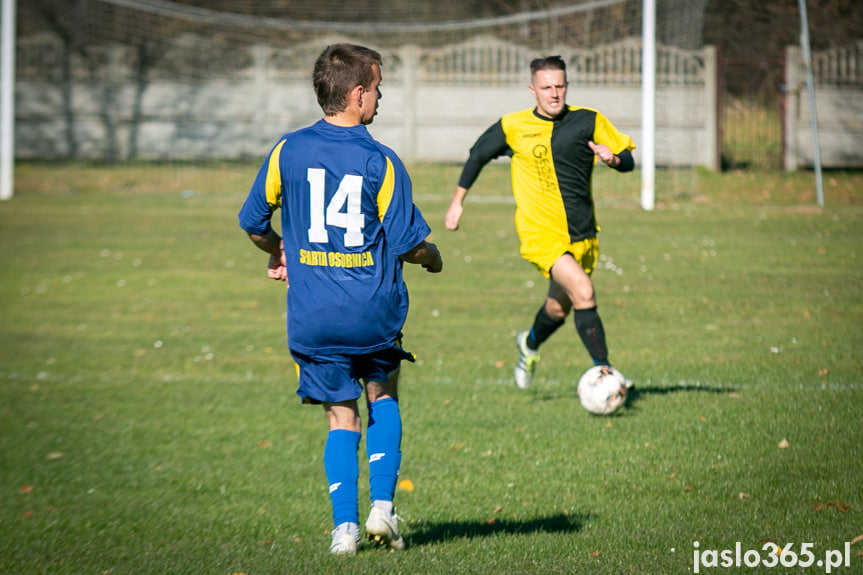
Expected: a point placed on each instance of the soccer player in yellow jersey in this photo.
(554, 147)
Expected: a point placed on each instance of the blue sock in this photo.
(383, 445)
(343, 470)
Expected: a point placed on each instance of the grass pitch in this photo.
(148, 422)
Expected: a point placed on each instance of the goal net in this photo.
(194, 81)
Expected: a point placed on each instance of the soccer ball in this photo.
(602, 390)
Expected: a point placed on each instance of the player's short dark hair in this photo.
(547, 63)
(339, 69)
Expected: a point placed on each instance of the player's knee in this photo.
(557, 310)
(380, 390)
(583, 297)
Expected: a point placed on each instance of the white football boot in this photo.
(527, 360)
(383, 528)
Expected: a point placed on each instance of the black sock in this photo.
(589, 328)
(543, 327)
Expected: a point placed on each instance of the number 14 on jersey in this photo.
(348, 197)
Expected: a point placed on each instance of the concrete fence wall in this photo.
(435, 103)
(838, 83)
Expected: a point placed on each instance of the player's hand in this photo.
(604, 153)
(426, 255)
(453, 215)
(436, 264)
(276, 268)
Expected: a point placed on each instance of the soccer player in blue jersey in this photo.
(348, 224)
(553, 147)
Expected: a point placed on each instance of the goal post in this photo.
(648, 104)
(807, 60)
(7, 101)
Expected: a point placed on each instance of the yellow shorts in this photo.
(543, 254)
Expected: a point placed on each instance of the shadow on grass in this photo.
(425, 533)
(639, 392)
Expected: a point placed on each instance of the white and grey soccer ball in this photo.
(602, 390)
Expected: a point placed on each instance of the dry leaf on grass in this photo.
(827, 505)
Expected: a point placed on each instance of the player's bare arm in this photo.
(456, 209)
(605, 154)
(425, 254)
(622, 162)
(271, 243)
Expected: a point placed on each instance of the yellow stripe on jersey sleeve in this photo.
(604, 132)
(385, 194)
(273, 185)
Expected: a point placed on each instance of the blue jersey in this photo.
(347, 214)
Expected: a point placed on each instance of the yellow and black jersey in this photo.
(551, 169)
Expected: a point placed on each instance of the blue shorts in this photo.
(335, 378)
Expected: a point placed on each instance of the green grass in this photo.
(148, 422)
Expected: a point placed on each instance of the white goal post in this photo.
(7, 101)
(648, 104)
